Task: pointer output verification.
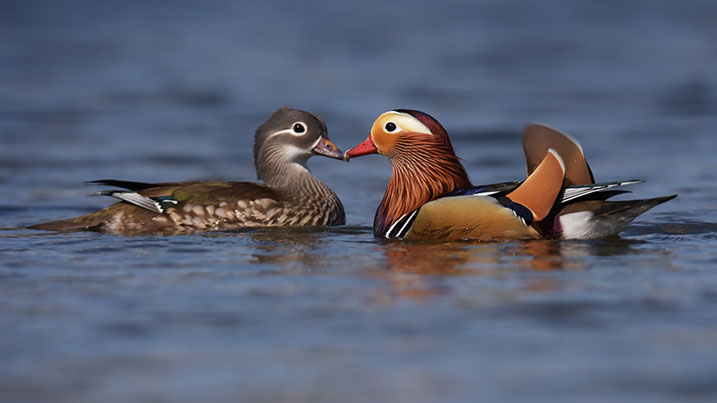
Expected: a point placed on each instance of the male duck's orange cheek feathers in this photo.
(367, 147)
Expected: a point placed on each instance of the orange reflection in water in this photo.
(423, 271)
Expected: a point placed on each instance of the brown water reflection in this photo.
(457, 259)
(422, 271)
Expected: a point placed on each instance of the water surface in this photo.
(168, 91)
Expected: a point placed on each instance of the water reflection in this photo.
(421, 271)
(459, 259)
(302, 249)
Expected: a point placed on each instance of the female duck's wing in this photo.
(179, 206)
(187, 195)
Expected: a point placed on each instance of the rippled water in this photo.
(166, 91)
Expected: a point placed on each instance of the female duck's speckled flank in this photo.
(429, 195)
(289, 196)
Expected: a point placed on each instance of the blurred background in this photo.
(173, 90)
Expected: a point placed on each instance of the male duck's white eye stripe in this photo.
(408, 123)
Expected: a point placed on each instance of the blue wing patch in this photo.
(165, 202)
(475, 191)
(521, 212)
(493, 189)
(154, 204)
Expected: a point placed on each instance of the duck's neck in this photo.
(299, 187)
(302, 184)
(420, 174)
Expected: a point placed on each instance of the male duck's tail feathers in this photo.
(538, 138)
(589, 219)
(596, 190)
(541, 188)
(576, 210)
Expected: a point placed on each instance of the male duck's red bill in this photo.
(429, 195)
(365, 148)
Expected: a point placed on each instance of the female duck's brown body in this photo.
(289, 196)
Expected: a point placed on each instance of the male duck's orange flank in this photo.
(429, 195)
(289, 196)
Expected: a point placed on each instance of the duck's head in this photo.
(399, 132)
(288, 139)
(424, 163)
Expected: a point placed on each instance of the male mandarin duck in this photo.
(429, 195)
(289, 196)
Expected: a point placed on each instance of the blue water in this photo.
(169, 91)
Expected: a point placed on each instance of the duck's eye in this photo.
(299, 128)
(390, 127)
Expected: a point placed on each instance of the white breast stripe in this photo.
(393, 225)
(409, 221)
(404, 222)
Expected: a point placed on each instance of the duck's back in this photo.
(197, 206)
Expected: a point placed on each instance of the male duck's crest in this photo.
(289, 196)
(400, 124)
(429, 195)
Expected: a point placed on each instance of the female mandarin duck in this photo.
(289, 196)
(429, 195)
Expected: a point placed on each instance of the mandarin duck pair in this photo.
(429, 195)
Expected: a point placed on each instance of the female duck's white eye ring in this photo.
(390, 127)
(298, 129)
